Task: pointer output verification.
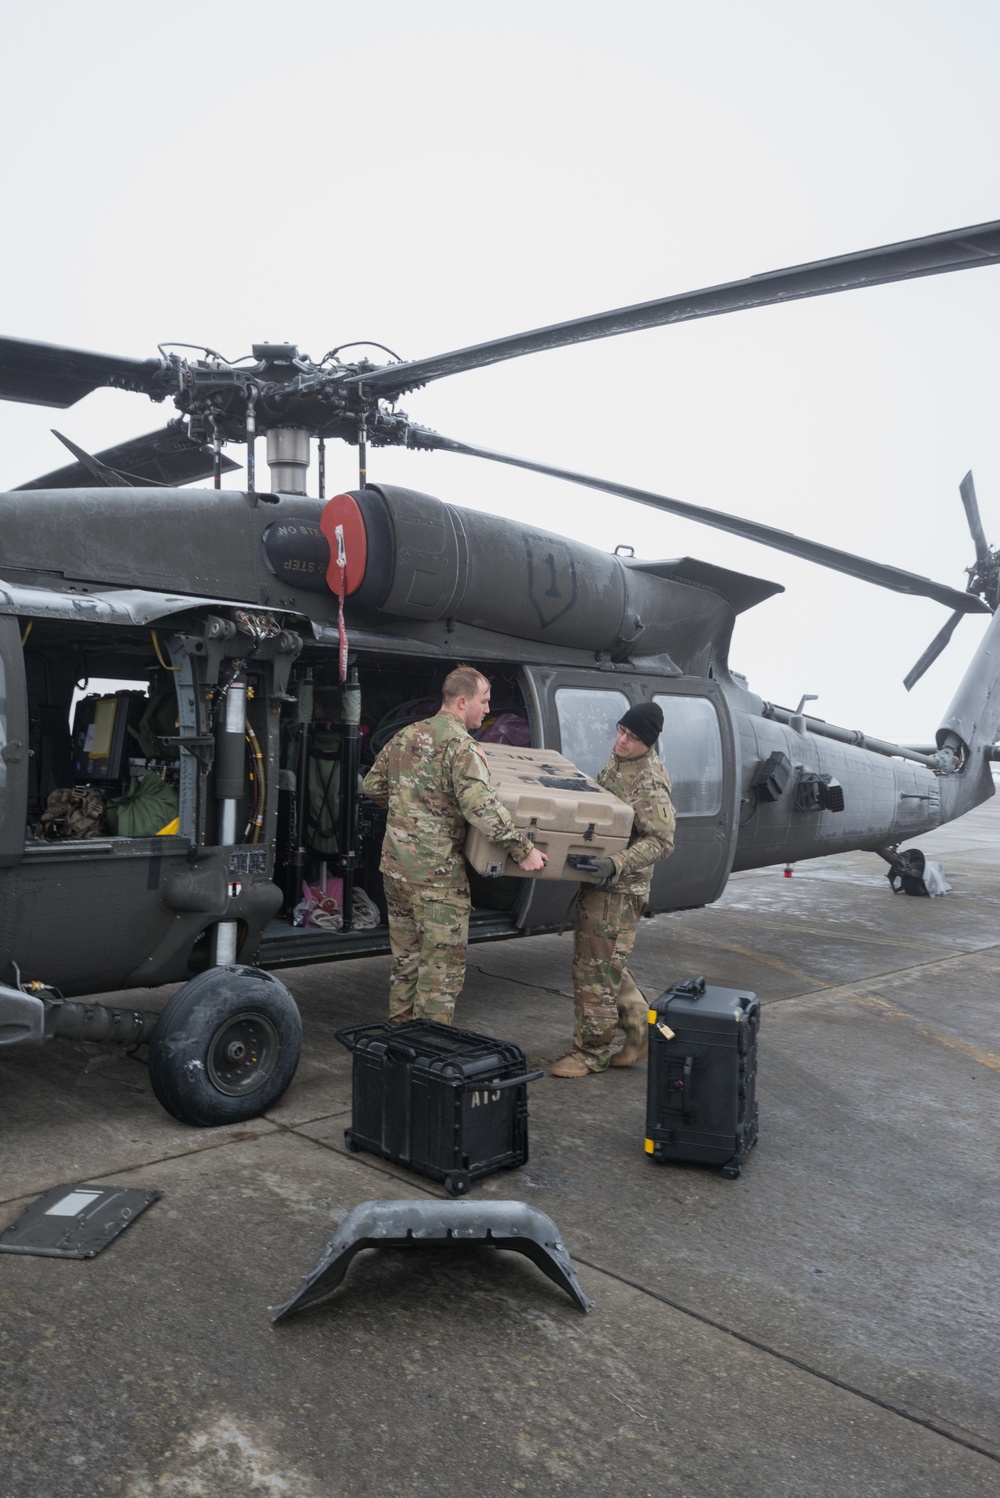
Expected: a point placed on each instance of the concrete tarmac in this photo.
(828, 1323)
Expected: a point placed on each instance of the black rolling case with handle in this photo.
(701, 1090)
(448, 1103)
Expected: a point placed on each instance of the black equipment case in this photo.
(701, 1087)
(448, 1103)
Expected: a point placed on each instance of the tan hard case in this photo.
(563, 811)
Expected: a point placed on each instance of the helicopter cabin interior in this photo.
(131, 772)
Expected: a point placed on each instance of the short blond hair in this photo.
(462, 682)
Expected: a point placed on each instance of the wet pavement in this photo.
(826, 1323)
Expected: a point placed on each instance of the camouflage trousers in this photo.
(428, 932)
(604, 992)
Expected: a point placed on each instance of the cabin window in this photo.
(587, 723)
(691, 749)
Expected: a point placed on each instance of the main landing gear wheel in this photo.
(226, 1047)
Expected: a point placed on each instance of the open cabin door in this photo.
(698, 748)
(577, 712)
(13, 743)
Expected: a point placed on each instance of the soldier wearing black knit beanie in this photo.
(607, 914)
(645, 720)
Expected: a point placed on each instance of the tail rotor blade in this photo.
(967, 489)
(933, 650)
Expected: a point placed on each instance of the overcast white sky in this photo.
(432, 173)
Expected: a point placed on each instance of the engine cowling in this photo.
(411, 556)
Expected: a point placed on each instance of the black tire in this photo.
(226, 1047)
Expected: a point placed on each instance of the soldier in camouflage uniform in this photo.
(433, 778)
(607, 915)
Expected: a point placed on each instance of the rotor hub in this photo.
(984, 578)
(289, 391)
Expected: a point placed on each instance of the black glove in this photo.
(601, 868)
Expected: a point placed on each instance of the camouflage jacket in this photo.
(645, 785)
(434, 780)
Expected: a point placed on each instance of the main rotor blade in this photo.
(167, 457)
(812, 551)
(967, 489)
(47, 374)
(958, 249)
(933, 650)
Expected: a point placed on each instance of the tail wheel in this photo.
(226, 1047)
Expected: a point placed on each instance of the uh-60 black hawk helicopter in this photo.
(281, 638)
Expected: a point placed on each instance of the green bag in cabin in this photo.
(148, 806)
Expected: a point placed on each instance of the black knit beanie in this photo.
(645, 721)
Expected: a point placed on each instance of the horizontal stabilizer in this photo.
(739, 589)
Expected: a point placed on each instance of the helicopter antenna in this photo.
(98, 470)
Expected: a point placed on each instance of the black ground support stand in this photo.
(416, 1224)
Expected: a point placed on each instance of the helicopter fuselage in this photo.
(241, 665)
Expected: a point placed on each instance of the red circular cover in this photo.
(343, 510)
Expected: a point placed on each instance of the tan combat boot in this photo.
(631, 1052)
(570, 1066)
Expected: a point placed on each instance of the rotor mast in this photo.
(288, 459)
